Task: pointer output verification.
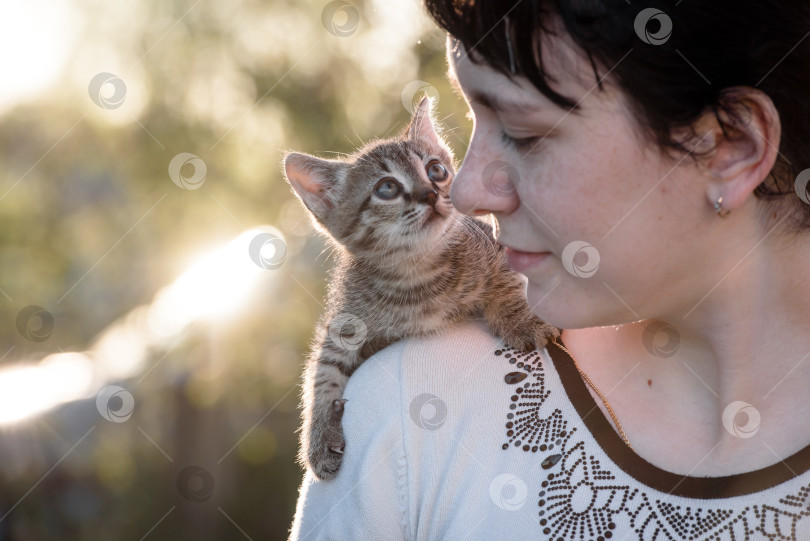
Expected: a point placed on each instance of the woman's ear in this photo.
(745, 148)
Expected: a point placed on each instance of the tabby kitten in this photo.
(408, 264)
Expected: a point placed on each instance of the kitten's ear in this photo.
(421, 126)
(315, 180)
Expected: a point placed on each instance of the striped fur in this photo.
(409, 265)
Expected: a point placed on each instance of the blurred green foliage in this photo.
(91, 226)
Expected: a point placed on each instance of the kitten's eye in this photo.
(436, 171)
(387, 188)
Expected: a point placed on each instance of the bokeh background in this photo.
(159, 281)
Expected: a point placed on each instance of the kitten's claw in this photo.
(337, 405)
(535, 334)
(325, 444)
(325, 461)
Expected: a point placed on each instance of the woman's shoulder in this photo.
(415, 412)
(467, 346)
(465, 366)
(470, 421)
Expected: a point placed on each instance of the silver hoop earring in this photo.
(718, 208)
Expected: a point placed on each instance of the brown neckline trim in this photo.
(653, 476)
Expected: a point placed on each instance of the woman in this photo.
(647, 170)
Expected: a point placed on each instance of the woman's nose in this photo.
(485, 183)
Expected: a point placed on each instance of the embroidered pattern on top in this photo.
(579, 499)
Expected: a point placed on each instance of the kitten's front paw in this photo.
(326, 443)
(533, 334)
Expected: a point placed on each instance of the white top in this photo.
(451, 438)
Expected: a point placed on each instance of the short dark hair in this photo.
(714, 45)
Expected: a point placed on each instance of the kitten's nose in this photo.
(426, 195)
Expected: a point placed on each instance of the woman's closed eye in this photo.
(522, 144)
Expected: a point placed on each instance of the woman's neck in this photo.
(676, 383)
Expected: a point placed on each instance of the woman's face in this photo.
(587, 191)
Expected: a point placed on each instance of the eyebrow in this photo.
(492, 101)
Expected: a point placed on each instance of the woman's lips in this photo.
(525, 261)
